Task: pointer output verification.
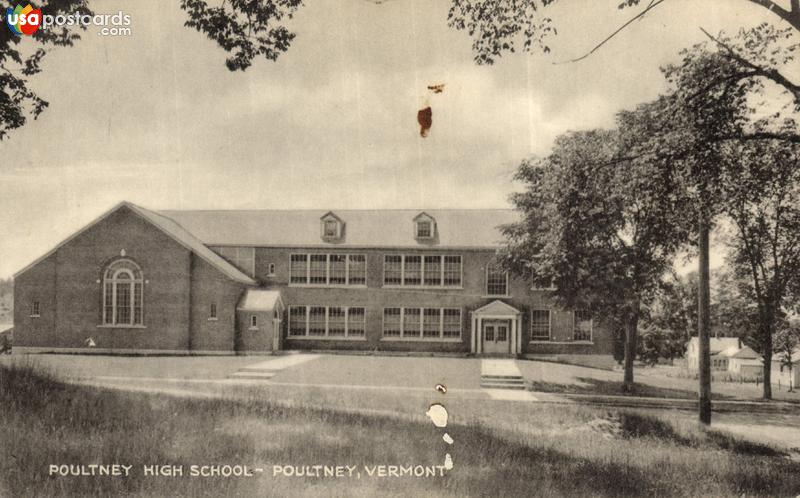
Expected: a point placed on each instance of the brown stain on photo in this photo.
(425, 120)
(436, 88)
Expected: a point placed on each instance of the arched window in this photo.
(123, 297)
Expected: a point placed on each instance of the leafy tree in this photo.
(670, 318)
(787, 343)
(602, 234)
(18, 62)
(497, 27)
(762, 199)
(247, 28)
(733, 310)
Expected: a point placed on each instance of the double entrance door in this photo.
(496, 336)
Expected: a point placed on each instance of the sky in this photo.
(157, 119)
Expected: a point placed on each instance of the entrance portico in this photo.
(496, 329)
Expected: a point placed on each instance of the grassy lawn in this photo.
(175, 367)
(386, 371)
(601, 361)
(567, 451)
(651, 382)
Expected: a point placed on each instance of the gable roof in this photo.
(718, 344)
(186, 239)
(729, 352)
(330, 215)
(497, 308)
(456, 228)
(171, 229)
(260, 300)
(746, 353)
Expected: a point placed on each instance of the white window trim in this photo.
(421, 285)
(250, 320)
(271, 270)
(327, 283)
(338, 227)
(213, 312)
(575, 328)
(420, 337)
(431, 229)
(114, 281)
(36, 309)
(541, 339)
(486, 277)
(326, 337)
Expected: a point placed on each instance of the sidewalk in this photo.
(678, 403)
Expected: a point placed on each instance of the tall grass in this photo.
(45, 421)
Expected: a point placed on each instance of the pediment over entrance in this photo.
(497, 308)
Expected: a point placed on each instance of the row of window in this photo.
(398, 270)
(411, 323)
(407, 270)
(328, 269)
(415, 270)
(327, 321)
(424, 323)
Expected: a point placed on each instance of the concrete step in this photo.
(257, 370)
(496, 385)
(262, 375)
(503, 382)
(501, 377)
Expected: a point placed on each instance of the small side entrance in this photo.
(496, 337)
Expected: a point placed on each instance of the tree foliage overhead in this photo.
(499, 27)
(20, 59)
(245, 28)
(496, 26)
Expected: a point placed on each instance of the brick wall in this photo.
(209, 286)
(68, 284)
(471, 296)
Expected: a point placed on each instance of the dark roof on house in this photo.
(461, 228)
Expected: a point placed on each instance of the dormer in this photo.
(424, 227)
(331, 227)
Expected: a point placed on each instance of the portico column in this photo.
(478, 334)
(472, 320)
(513, 335)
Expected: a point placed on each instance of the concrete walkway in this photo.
(501, 379)
(499, 368)
(265, 370)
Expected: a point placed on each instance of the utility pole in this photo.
(703, 319)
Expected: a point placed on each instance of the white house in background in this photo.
(745, 362)
(783, 374)
(717, 346)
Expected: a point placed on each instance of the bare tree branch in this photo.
(653, 4)
(772, 74)
(792, 17)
